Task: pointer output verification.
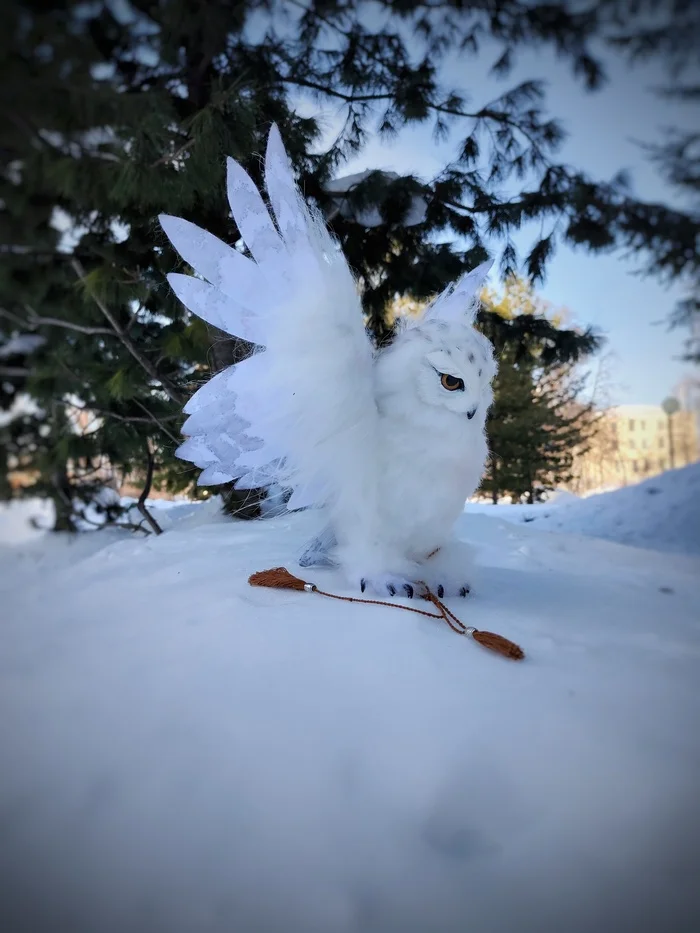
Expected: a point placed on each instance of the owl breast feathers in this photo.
(387, 444)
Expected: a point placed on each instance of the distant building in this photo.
(688, 394)
(634, 442)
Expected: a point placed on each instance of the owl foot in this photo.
(393, 585)
(390, 584)
(445, 588)
(447, 571)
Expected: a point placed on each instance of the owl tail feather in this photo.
(280, 578)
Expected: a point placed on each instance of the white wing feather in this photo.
(302, 408)
(458, 302)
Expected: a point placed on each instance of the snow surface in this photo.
(182, 753)
(661, 513)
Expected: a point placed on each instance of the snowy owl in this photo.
(389, 443)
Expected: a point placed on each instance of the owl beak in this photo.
(470, 414)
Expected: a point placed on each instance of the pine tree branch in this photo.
(12, 371)
(486, 113)
(145, 364)
(457, 205)
(172, 156)
(332, 92)
(23, 123)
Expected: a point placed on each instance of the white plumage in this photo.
(388, 444)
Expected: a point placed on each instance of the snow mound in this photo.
(661, 513)
(28, 551)
(182, 752)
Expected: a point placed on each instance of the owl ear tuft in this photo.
(458, 302)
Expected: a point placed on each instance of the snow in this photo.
(21, 405)
(28, 553)
(661, 513)
(182, 752)
(21, 344)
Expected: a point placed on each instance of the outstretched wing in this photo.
(302, 407)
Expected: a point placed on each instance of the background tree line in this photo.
(114, 112)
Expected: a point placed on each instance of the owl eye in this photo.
(451, 383)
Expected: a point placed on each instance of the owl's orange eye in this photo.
(451, 383)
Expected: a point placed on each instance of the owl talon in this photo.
(389, 584)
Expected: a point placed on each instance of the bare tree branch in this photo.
(126, 419)
(15, 318)
(127, 526)
(36, 320)
(141, 504)
(158, 421)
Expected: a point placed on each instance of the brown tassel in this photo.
(499, 644)
(279, 578)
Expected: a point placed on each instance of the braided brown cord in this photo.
(281, 578)
(455, 624)
(381, 602)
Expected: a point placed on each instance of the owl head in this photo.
(440, 359)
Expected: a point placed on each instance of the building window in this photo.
(662, 443)
(631, 424)
(645, 444)
(662, 464)
(642, 425)
(634, 466)
(632, 443)
(645, 466)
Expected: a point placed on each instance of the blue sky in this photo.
(602, 290)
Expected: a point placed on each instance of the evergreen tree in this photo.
(538, 421)
(678, 160)
(671, 29)
(114, 113)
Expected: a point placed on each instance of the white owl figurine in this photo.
(389, 443)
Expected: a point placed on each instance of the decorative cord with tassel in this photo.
(280, 578)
